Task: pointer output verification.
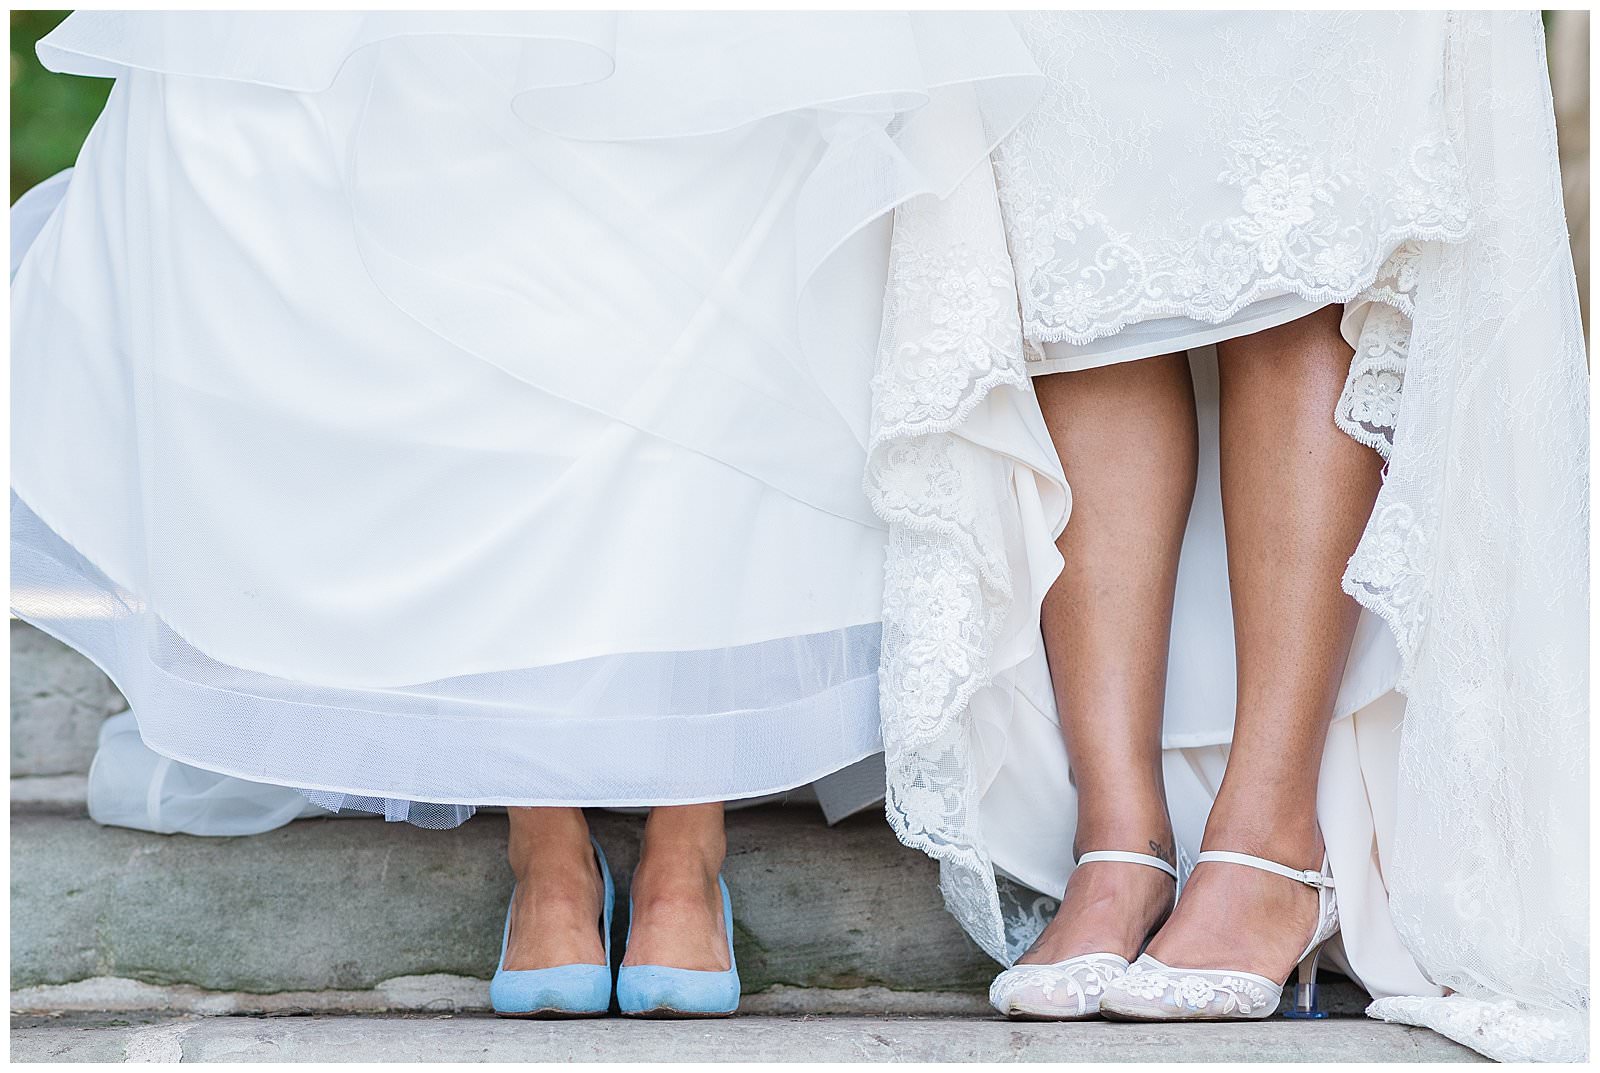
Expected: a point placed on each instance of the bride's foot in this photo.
(676, 899)
(1113, 900)
(1241, 918)
(1109, 907)
(556, 910)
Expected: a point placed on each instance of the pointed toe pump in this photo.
(1153, 991)
(666, 992)
(1067, 990)
(563, 990)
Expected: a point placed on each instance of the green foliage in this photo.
(50, 114)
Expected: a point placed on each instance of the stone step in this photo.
(349, 904)
(362, 915)
(746, 1039)
(61, 794)
(58, 701)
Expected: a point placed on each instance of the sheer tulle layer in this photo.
(518, 356)
(132, 785)
(634, 729)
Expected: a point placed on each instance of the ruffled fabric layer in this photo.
(726, 178)
(449, 409)
(630, 729)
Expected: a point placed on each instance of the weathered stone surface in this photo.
(441, 993)
(42, 1039)
(444, 993)
(343, 904)
(748, 1039)
(63, 795)
(58, 701)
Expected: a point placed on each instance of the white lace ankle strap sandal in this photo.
(1152, 991)
(1067, 990)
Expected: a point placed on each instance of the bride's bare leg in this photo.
(555, 915)
(677, 904)
(1296, 495)
(1126, 436)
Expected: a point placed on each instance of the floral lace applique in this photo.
(1302, 206)
(951, 337)
(1072, 987)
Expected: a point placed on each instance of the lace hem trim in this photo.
(951, 338)
(1506, 1031)
(1367, 285)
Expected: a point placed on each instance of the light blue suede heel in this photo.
(662, 991)
(562, 991)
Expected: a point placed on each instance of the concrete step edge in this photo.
(341, 905)
(452, 1037)
(350, 916)
(53, 795)
(446, 993)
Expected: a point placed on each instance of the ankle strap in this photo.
(1128, 858)
(1310, 877)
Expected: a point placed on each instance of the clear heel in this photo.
(1305, 1006)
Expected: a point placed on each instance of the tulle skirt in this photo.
(470, 409)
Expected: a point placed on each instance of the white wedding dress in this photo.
(433, 410)
(1192, 177)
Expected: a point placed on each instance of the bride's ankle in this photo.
(1152, 836)
(684, 842)
(1110, 907)
(551, 847)
(668, 873)
(1282, 837)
